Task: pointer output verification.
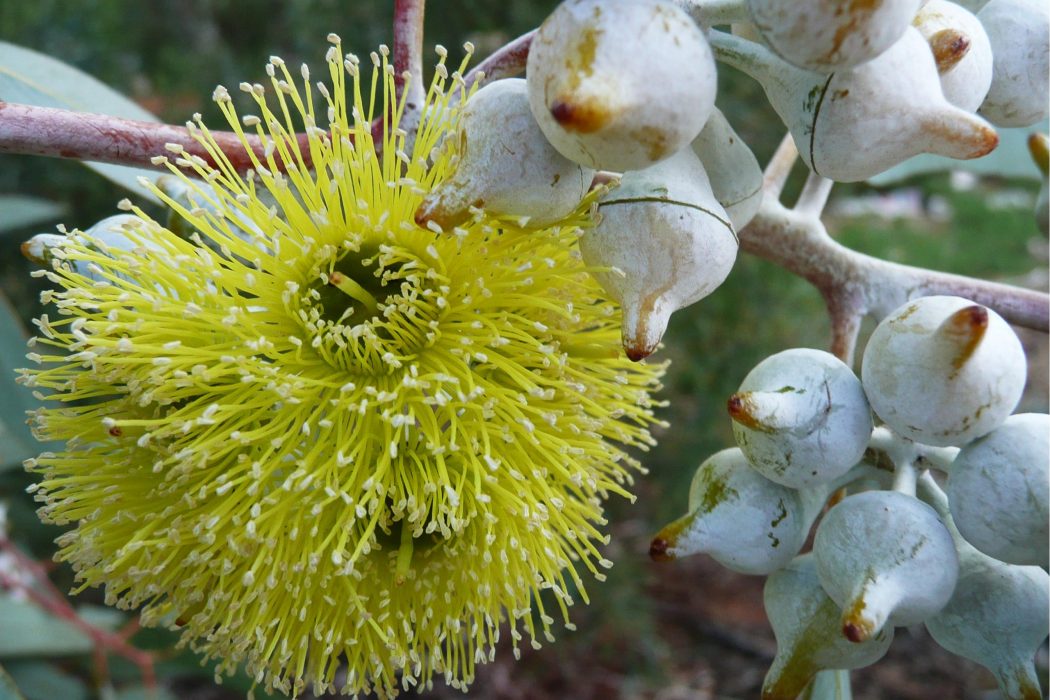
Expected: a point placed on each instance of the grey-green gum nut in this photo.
(999, 487)
(736, 177)
(943, 371)
(830, 35)
(805, 622)
(662, 242)
(801, 417)
(886, 559)
(997, 616)
(505, 165)
(1018, 31)
(743, 520)
(854, 124)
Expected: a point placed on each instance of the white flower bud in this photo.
(506, 165)
(805, 622)
(668, 241)
(961, 49)
(1018, 31)
(830, 35)
(857, 123)
(740, 518)
(110, 232)
(943, 371)
(736, 176)
(801, 418)
(886, 559)
(997, 616)
(999, 488)
(620, 84)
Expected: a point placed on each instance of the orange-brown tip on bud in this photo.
(637, 353)
(949, 46)
(658, 550)
(740, 410)
(854, 632)
(1039, 147)
(966, 328)
(583, 117)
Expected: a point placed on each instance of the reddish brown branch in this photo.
(505, 62)
(59, 133)
(46, 595)
(408, 51)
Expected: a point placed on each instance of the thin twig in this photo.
(408, 52)
(861, 284)
(814, 195)
(46, 595)
(60, 133)
(506, 62)
(779, 167)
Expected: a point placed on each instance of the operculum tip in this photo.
(1039, 147)
(949, 46)
(963, 332)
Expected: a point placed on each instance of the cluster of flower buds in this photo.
(942, 376)
(628, 87)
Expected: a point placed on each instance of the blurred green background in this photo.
(683, 630)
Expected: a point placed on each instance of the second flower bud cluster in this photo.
(943, 375)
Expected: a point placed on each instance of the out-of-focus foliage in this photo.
(167, 55)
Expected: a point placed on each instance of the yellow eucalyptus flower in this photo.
(316, 435)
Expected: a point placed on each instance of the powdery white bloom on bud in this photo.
(999, 486)
(805, 622)
(801, 418)
(736, 176)
(997, 616)
(506, 165)
(856, 123)
(886, 559)
(620, 84)
(743, 520)
(830, 35)
(1018, 30)
(661, 243)
(961, 49)
(943, 371)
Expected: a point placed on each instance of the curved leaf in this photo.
(19, 211)
(30, 77)
(8, 689)
(16, 441)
